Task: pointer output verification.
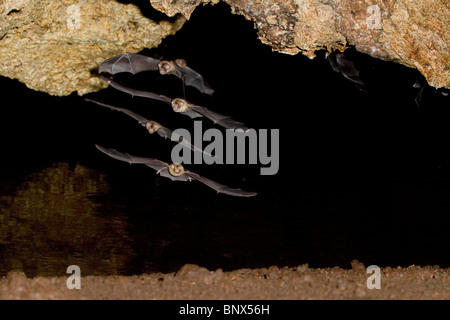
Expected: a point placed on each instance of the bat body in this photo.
(175, 172)
(152, 126)
(344, 65)
(180, 105)
(135, 63)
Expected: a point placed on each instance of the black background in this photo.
(362, 176)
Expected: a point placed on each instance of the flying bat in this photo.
(418, 85)
(344, 65)
(175, 172)
(153, 126)
(424, 87)
(135, 63)
(180, 105)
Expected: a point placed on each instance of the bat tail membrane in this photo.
(166, 174)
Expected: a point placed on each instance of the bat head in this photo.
(176, 169)
(152, 126)
(180, 105)
(181, 63)
(166, 66)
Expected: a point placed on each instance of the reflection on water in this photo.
(51, 221)
(112, 224)
(66, 215)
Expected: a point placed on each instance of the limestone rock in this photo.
(53, 46)
(185, 7)
(415, 33)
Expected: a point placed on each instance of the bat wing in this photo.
(128, 62)
(220, 119)
(220, 188)
(194, 79)
(342, 64)
(165, 132)
(136, 116)
(186, 143)
(135, 92)
(152, 163)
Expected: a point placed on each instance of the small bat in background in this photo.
(180, 105)
(135, 63)
(175, 172)
(423, 86)
(418, 100)
(344, 65)
(153, 126)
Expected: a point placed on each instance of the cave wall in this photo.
(55, 46)
(415, 33)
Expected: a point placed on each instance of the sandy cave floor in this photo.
(194, 282)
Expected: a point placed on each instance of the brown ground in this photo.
(194, 282)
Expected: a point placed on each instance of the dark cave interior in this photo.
(361, 176)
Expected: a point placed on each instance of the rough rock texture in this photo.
(52, 46)
(185, 7)
(45, 45)
(415, 33)
(194, 282)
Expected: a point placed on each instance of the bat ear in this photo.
(181, 63)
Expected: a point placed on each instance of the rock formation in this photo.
(54, 46)
(415, 33)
